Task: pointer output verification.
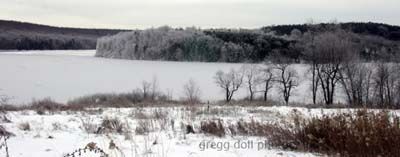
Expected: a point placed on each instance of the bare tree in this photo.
(356, 79)
(367, 88)
(287, 78)
(146, 87)
(266, 80)
(307, 44)
(169, 94)
(397, 85)
(150, 90)
(385, 81)
(192, 91)
(229, 82)
(154, 88)
(253, 79)
(332, 48)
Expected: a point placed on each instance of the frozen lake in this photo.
(63, 75)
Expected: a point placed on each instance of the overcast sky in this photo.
(140, 14)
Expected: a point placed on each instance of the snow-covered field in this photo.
(56, 134)
(64, 75)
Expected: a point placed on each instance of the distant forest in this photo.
(27, 36)
(370, 41)
(382, 30)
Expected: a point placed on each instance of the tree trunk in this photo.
(251, 93)
(227, 95)
(314, 84)
(266, 91)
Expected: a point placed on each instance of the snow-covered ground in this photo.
(64, 75)
(56, 134)
(59, 133)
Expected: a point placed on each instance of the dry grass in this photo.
(57, 126)
(361, 133)
(111, 125)
(252, 128)
(24, 126)
(160, 114)
(107, 100)
(218, 111)
(139, 113)
(215, 128)
(118, 100)
(357, 134)
(108, 125)
(45, 106)
(143, 127)
(88, 126)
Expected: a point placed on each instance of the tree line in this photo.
(27, 36)
(51, 43)
(227, 45)
(332, 68)
(386, 31)
(192, 44)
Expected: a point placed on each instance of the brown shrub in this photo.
(253, 128)
(45, 105)
(160, 114)
(6, 107)
(213, 128)
(24, 126)
(361, 133)
(143, 127)
(277, 134)
(111, 125)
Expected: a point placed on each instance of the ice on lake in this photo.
(63, 75)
